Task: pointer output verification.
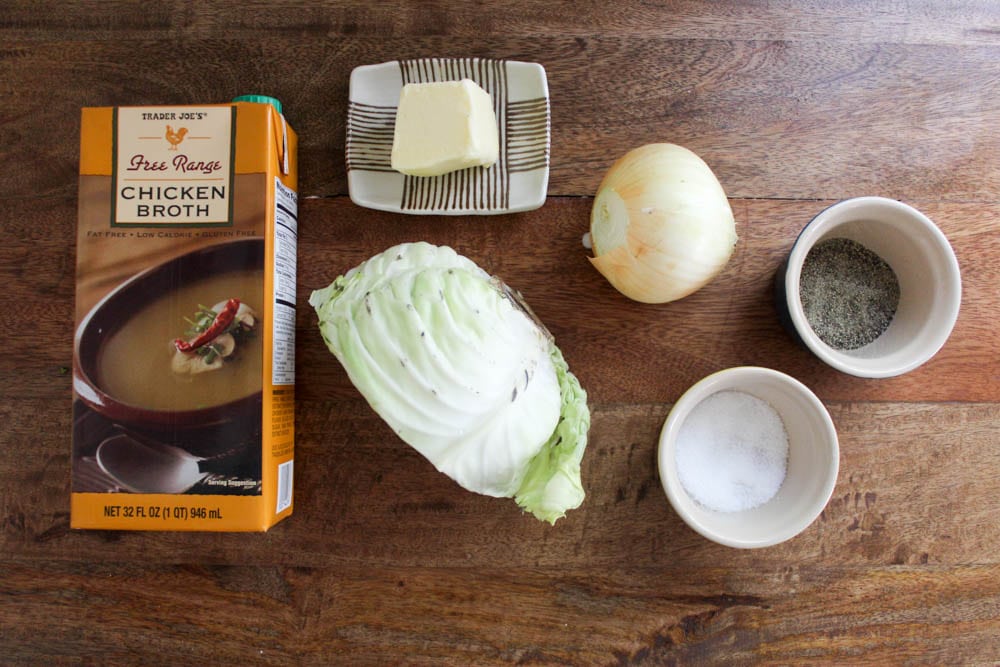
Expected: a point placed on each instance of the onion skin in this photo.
(661, 225)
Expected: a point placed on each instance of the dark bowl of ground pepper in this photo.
(871, 286)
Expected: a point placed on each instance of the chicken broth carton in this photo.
(184, 348)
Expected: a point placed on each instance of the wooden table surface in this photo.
(794, 104)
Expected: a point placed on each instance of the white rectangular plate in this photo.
(517, 182)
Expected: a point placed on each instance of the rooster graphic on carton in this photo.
(175, 138)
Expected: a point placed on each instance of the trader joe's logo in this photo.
(173, 166)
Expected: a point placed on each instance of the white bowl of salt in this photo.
(872, 287)
(748, 457)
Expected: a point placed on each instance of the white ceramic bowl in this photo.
(930, 286)
(813, 461)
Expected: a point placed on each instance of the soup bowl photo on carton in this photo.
(204, 430)
(811, 468)
(930, 286)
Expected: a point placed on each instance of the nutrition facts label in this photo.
(286, 230)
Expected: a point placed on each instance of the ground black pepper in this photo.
(849, 293)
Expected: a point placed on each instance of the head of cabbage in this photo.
(463, 372)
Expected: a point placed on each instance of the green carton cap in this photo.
(260, 99)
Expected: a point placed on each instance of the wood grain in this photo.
(795, 105)
(776, 119)
(912, 22)
(500, 616)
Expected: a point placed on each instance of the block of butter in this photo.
(443, 127)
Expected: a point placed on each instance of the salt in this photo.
(732, 452)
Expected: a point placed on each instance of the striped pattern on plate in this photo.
(523, 125)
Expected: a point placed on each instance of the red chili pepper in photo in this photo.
(218, 325)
